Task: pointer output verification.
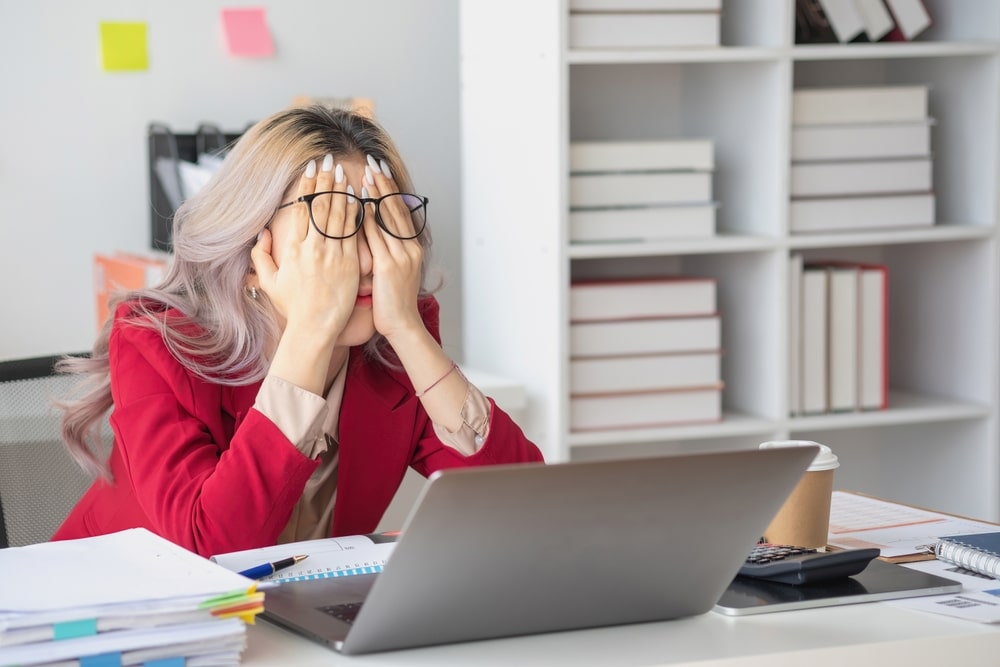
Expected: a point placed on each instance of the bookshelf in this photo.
(525, 98)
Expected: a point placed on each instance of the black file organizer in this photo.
(162, 142)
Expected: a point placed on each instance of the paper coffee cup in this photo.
(804, 519)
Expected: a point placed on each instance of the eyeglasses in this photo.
(396, 201)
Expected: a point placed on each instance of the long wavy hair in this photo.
(213, 233)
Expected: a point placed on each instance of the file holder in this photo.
(165, 150)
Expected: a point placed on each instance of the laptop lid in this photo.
(520, 549)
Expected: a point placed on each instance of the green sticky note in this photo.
(123, 47)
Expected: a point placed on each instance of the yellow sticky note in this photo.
(123, 47)
(246, 32)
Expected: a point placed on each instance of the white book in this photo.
(844, 18)
(651, 30)
(668, 334)
(842, 327)
(604, 156)
(644, 5)
(873, 286)
(861, 142)
(911, 17)
(795, 267)
(664, 408)
(853, 177)
(878, 22)
(867, 104)
(839, 214)
(612, 375)
(813, 383)
(641, 298)
(668, 187)
(642, 223)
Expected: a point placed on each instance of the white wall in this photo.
(73, 177)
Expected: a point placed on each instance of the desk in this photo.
(846, 636)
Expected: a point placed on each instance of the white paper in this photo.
(979, 599)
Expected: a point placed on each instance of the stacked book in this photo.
(838, 337)
(644, 24)
(861, 159)
(641, 190)
(127, 598)
(644, 353)
(820, 21)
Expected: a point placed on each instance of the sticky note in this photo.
(123, 46)
(246, 32)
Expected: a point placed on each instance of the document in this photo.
(979, 599)
(902, 532)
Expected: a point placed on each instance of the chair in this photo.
(39, 481)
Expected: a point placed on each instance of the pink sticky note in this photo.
(246, 32)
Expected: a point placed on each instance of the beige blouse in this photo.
(310, 423)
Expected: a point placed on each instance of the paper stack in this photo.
(127, 598)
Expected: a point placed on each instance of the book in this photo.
(861, 104)
(644, 30)
(638, 298)
(842, 338)
(795, 268)
(979, 552)
(642, 223)
(646, 410)
(611, 156)
(811, 24)
(630, 189)
(608, 375)
(858, 177)
(327, 557)
(122, 271)
(861, 141)
(911, 18)
(876, 17)
(648, 336)
(813, 383)
(841, 214)
(644, 5)
(844, 18)
(873, 343)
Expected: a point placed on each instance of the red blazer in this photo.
(193, 461)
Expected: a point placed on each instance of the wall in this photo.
(73, 178)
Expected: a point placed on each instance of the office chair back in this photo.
(39, 481)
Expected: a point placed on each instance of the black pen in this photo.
(265, 569)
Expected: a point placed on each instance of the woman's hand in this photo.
(312, 280)
(397, 262)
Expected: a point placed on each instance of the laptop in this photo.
(529, 548)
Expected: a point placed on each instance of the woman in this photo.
(265, 391)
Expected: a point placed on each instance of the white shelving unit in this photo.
(525, 95)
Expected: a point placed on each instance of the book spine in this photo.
(969, 558)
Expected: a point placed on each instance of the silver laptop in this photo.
(521, 549)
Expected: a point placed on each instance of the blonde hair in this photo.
(213, 233)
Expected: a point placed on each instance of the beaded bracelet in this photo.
(451, 370)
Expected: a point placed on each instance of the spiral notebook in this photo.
(979, 553)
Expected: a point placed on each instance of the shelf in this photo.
(724, 54)
(934, 234)
(883, 50)
(905, 408)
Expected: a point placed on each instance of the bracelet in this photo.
(451, 370)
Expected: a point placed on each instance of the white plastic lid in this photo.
(825, 459)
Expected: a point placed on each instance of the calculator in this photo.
(799, 565)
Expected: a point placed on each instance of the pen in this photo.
(265, 569)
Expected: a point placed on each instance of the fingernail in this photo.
(259, 234)
(311, 169)
(350, 190)
(373, 164)
(368, 176)
(364, 192)
(338, 174)
(327, 162)
(385, 169)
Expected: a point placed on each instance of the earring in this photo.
(252, 292)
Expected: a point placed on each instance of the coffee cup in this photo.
(804, 518)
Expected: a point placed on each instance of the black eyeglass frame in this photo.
(359, 222)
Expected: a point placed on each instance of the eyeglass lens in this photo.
(383, 206)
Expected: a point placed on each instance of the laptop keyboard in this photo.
(345, 612)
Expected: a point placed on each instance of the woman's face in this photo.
(361, 325)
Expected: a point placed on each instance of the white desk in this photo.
(847, 636)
